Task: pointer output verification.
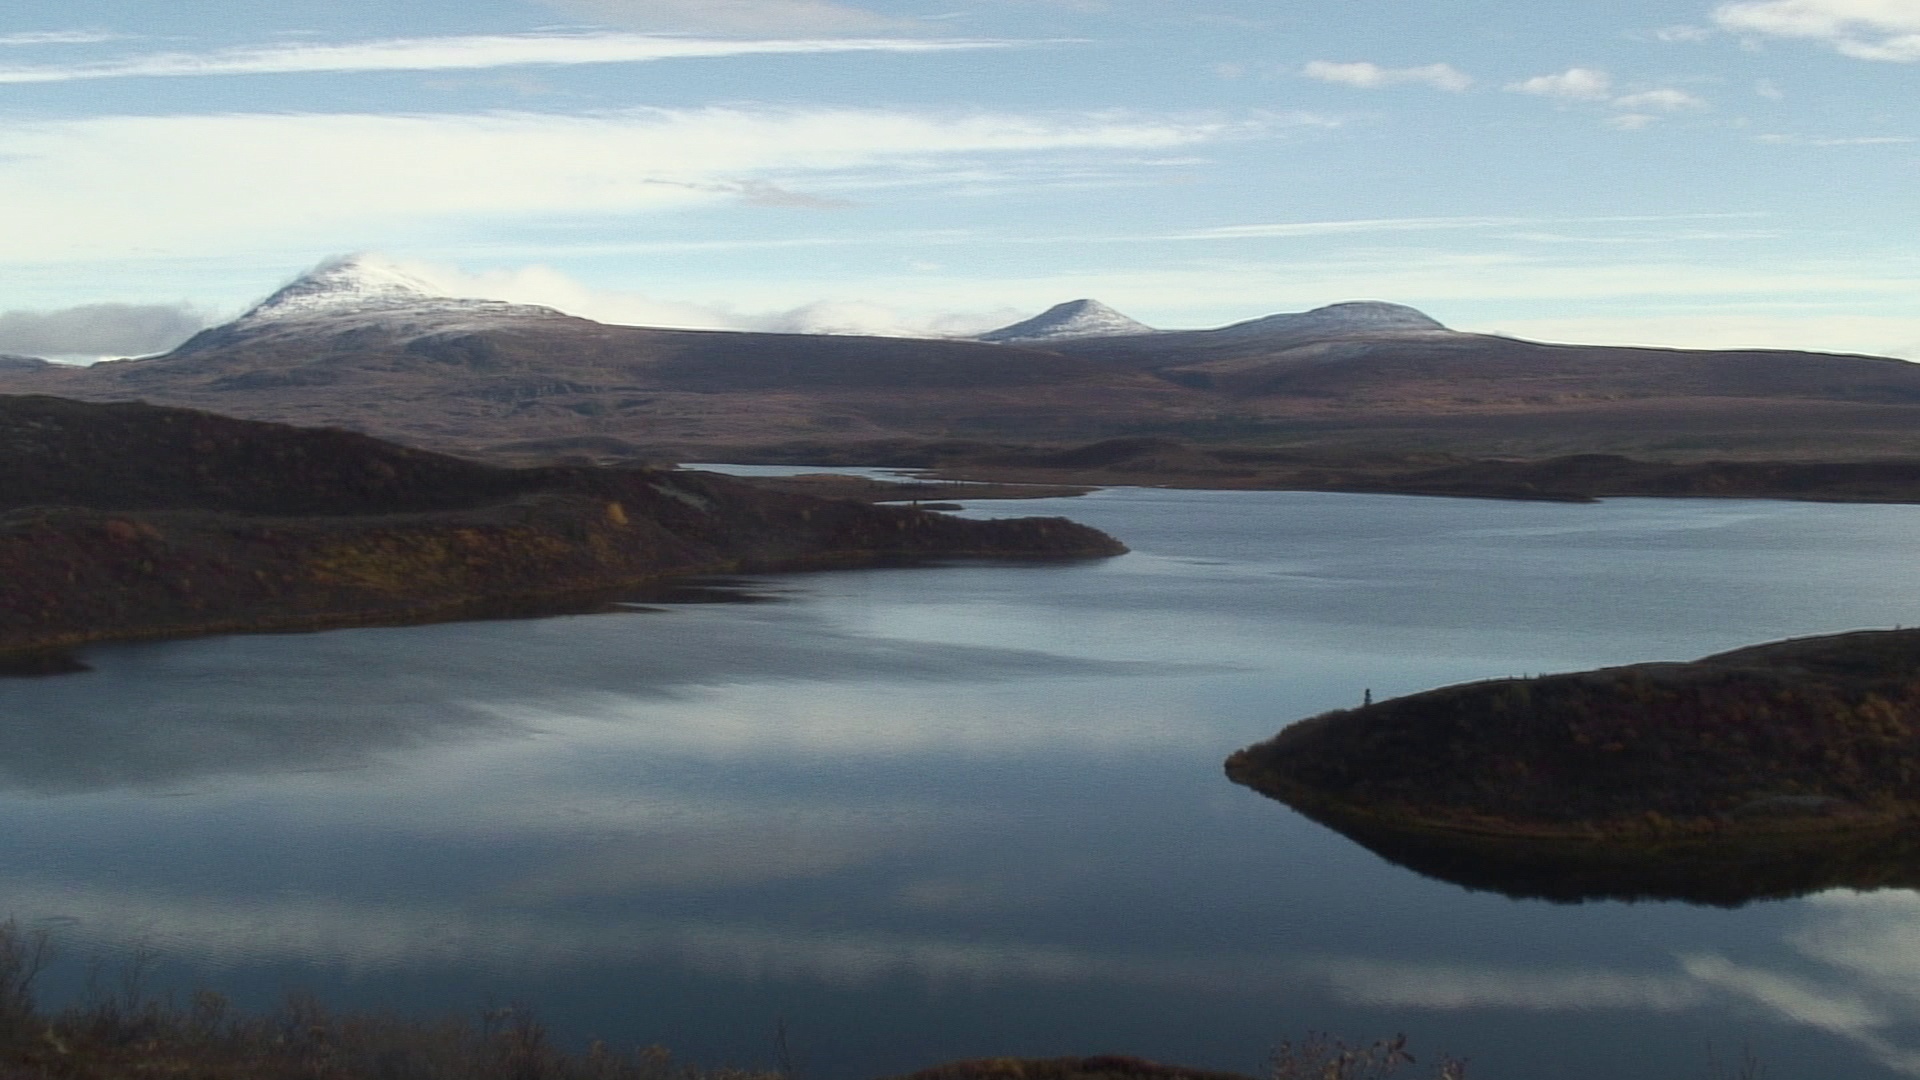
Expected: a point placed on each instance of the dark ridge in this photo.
(1568, 478)
(1105, 1067)
(1750, 759)
(1831, 719)
(141, 457)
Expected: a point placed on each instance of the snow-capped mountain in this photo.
(1352, 318)
(1073, 319)
(360, 292)
(1083, 319)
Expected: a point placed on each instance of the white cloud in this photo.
(1682, 33)
(1865, 29)
(730, 16)
(1369, 76)
(1664, 100)
(1641, 107)
(1576, 84)
(94, 330)
(551, 288)
(57, 37)
(462, 53)
(89, 189)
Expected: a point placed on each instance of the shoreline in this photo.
(957, 470)
(56, 656)
(1764, 771)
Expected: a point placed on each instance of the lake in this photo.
(916, 814)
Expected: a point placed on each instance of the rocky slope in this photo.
(125, 521)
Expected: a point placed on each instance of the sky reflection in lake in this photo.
(929, 813)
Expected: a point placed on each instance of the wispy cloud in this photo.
(1369, 76)
(1865, 29)
(1682, 32)
(1830, 140)
(57, 37)
(731, 16)
(1419, 224)
(458, 53)
(81, 189)
(1332, 228)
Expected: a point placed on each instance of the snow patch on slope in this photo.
(367, 284)
(363, 292)
(1073, 319)
(1354, 317)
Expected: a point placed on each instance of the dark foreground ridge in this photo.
(130, 521)
(1769, 771)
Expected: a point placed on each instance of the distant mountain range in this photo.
(359, 344)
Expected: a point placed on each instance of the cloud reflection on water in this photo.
(255, 706)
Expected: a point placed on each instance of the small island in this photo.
(1769, 771)
(133, 521)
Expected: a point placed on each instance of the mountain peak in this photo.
(1338, 320)
(363, 292)
(352, 282)
(1073, 319)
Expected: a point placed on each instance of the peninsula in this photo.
(130, 521)
(1766, 771)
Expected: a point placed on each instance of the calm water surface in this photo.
(919, 814)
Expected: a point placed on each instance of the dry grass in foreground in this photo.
(130, 1036)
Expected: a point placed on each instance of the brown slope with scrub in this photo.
(125, 521)
(619, 391)
(1809, 734)
(1767, 772)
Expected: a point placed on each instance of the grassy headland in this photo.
(1813, 734)
(1768, 771)
(128, 521)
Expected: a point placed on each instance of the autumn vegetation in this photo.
(1811, 735)
(126, 521)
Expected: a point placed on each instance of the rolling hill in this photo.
(359, 345)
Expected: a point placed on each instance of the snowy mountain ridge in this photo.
(1079, 319)
(367, 284)
(1073, 319)
(360, 293)
(1338, 320)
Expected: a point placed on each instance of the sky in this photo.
(1709, 173)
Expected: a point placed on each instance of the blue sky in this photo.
(1714, 173)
